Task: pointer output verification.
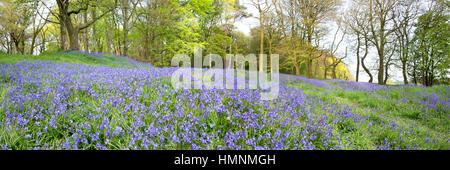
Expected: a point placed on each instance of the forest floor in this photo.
(79, 100)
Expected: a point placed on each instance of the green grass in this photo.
(67, 57)
(387, 110)
(385, 116)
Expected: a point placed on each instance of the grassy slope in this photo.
(381, 111)
(366, 135)
(67, 57)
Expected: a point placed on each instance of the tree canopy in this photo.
(314, 38)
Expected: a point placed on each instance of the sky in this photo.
(246, 24)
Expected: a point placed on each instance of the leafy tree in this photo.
(431, 47)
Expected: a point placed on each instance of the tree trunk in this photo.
(310, 51)
(261, 32)
(325, 70)
(33, 39)
(362, 61)
(297, 70)
(85, 33)
(430, 82)
(63, 32)
(125, 26)
(230, 64)
(73, 37)
(9, 44)
(334, 71)
(381, 66)
(386, 75)
(309, 64)
(405, 76)
(316, 69)
(33, 42)
(231, 46)
(270, 55)
(117, 46)
(414, 72)
(43, 43)
(65, 20)
(423, 68)
(16, 49)
(72, 31)
(108, 33)
(358, 47)
(22, 46)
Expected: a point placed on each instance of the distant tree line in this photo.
(408, 34)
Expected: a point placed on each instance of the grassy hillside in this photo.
(75, 57)
(99, 101)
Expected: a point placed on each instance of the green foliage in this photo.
(217, 44)
(431, 48)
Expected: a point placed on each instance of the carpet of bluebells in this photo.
(56, 105)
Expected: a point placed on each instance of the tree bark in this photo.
(85, 33)
(363, 58)
(96, 46)
(358, 47)
(381, 64)
(125, 10)
(63, 37)
(73, 36)
(62, 29)
(33, 42)
(108, 33)
(261, 31)
(297, 70)
(334, 71)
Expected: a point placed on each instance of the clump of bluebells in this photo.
(48, 105)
